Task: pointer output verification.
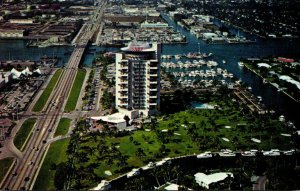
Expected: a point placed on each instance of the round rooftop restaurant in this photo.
(138, 47)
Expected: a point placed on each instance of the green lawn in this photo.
(47, 92)
(188, 132)
(4, 166)
(75, 91)
(23, 132)
(56, 154)
(63, 127)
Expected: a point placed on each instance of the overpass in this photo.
(23, 172)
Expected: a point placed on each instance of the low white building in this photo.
(21, 21)
(208, 35)
(116, 119)
(104, 185)
(205, 180)
(11, 33)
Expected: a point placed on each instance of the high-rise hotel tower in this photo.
(138, 78)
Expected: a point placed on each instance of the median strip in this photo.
(4, 166)
(47, 92)
(75, 91)
(63, 127)
(23, 133)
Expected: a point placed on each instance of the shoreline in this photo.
(268, 82)
(253, 33)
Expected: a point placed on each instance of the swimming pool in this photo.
(199, 105)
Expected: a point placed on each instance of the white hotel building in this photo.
(138, 79)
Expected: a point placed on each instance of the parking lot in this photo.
(16, 96)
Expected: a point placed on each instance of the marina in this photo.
(197, 72)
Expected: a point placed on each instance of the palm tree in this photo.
(156, 173)
(153, 124)
(140, 153)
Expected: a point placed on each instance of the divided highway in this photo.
(23, 171)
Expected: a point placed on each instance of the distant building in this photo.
(151, 25)
(5, 77)
(209, 36)
(2, 81)
(138, 79)
(11, 33)
(21, 21)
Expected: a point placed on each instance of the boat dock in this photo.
(249, 100)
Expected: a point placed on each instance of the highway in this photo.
(23, 171)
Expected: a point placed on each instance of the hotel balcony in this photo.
(123, 105)
(153, 67)
(123, 67)
(153, 96)
(153, 82)
(123, 77)
(123, 96)
(139, 102)
(123, 70)
(123, 90)
(123, 100)
(152, 103)
(153, 74)
(152, 89)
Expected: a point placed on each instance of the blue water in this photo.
(199, 105)
(231, 53)
(17, 50)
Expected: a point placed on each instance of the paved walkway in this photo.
(260, 183)
(9, 149)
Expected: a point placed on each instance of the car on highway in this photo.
(271, 153)
(226, 154)
(248, 153)
(206, 154)
(289, 152)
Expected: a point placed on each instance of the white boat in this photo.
(133, 172)
(207, 154)
(201, 62)
(177, 56)
(259, 98)
(224, 61)
(219, 70)
(241, 64)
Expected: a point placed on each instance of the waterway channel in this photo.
(231, 53)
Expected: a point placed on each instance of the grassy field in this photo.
(75, 91)
(62, 127)
(23, 132)
(188, 132)
(47, 92)
(4, 166)
(56, 154)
